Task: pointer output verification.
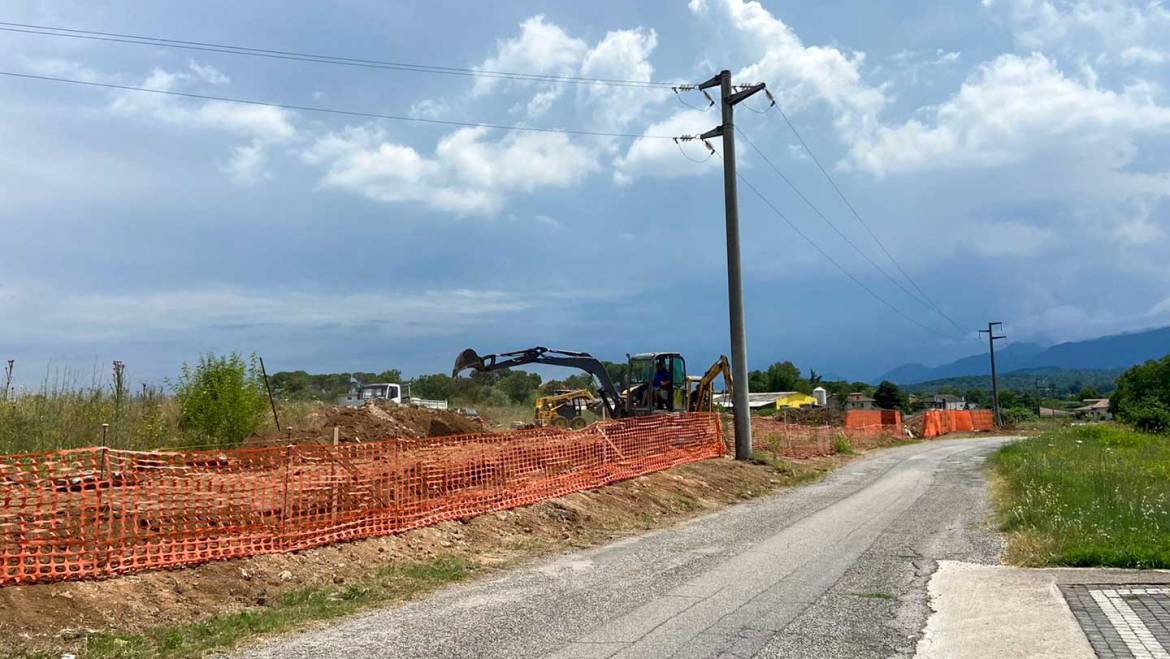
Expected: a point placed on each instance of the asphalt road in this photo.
(834, 569)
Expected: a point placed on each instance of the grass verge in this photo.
(390, 584)
(1086, 496)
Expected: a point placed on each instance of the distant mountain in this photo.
(1107, 352)
(1056, 382)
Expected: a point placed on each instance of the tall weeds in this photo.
(68, 410)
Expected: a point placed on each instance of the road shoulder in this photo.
(1003, 611)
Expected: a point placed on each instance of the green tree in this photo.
(780, 376)
(436, 386)
(1087, 393)
(519, 386)
(1142, 397)
(889, 397)
(221, 399)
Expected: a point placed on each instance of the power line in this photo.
(205, 46)
(863, 223)
(830, 259)
(827, 221)
(350, 113)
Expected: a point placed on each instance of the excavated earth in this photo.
(373, 422)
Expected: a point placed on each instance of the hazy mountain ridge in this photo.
(1108, 352)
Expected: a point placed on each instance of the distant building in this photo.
(795, 400)
(946, 402)
(1094, 409)
(859, 401)
(776, 399)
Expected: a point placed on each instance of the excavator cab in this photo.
(657, 383)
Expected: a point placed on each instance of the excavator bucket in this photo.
(467, 359)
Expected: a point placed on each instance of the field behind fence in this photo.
(99, 512)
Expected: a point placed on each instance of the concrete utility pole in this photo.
(743, 420)
(991, 339)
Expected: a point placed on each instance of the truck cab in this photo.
(657, 383)
(358, 395)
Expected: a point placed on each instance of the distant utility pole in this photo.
(1038, 406)
(991, 339)
(8, 377)
(726, 130)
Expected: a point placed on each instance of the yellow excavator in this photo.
(564, 409)
(656, 382)
(701, 389)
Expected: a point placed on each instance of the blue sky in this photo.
(1010, 154)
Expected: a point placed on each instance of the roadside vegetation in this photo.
(1095, 495)
(217, 401)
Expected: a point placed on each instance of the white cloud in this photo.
(801, 75)
(620, 55)
(261, 125)
(1137, 225)
(1133, 31)
(541, 48)
(208, 73)
(1005, 111)
(247, 163)
(165, 313)
(798, 75)
(1006, 239)
(468, 174)
(654, 157)
(260, 122)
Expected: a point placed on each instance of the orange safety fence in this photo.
(99, 512)
(942, 422)
(863, 429)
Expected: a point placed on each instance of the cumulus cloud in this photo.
(474, 173)
(165, 313)
(262, 126)
(1006, 110)
(1125, 31)
(468, 174)
(799, 75)
(662, 157)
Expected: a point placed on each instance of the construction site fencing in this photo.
(99, 512)
(942, 422)
(862, 429)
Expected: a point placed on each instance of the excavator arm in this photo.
(540, 355)
(703, 397)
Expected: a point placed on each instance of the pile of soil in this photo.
(374, 422)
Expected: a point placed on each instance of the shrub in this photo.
(1142, 397)
(841, 445)
(221, 399)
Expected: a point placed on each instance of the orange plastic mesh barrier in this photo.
(99, 512)
(942, 422)
(863, 429)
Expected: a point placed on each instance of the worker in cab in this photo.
(662, 385)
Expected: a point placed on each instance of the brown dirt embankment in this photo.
(56, 617)
(373, 422)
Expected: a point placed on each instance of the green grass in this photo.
(1086, 496)
(67, 411)
(841, 445)
(390, 584)
(790, 473)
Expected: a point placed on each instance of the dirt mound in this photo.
(374, 422)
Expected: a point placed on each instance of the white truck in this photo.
(360, 394)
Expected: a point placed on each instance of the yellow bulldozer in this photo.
(564, 409)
